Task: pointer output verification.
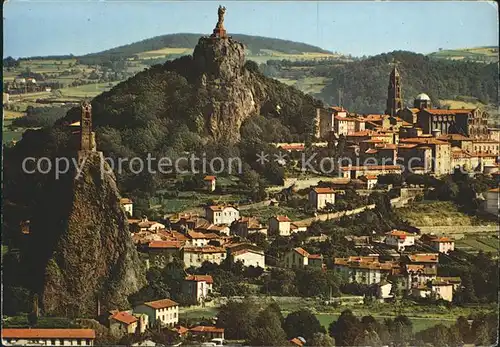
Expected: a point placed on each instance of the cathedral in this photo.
(467, 122)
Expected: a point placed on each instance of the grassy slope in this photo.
(436, 213)
(487, 54)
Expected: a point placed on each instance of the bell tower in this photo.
(87, 137)
(394, 97)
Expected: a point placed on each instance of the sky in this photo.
(39, 28)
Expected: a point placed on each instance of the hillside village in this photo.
(331, 244)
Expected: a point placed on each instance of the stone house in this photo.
(164, 312)
(279, 225)
(320, 197)
(197, 287)
(221, 214)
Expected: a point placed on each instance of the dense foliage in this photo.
(40, 116)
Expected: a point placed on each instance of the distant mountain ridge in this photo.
(187, 40)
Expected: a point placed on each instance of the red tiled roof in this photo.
(165, 244)
(161, 304)
(297, 342)
(373, 141)
(246, 250)
(200, 278)
(125, 201)
(319, 190)
(347, 119)
(338, 109)
(371, 167)
(299, 147)
(209, 178)
(48, 333)
(315, 256)
(407, 145)
(124, 317)
(203, 328)
(302, 252)
(424, 258)
(451, 111)
(423, 140)
(181, 330)
(385, 146)
(283, 219)
(198, 235)
(398, 233)
(206, 249)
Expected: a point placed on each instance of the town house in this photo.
(138, 225)
(246, 226)
(196, 256)
(441, 244)
(299, 257)
(366, 270)
(210, 183)
(197, 287)
(128, 206)
(124, 322)
(399, 239)
(47, 337)
(320, 197)
(279, 225)
(222, 214)
(164, 312)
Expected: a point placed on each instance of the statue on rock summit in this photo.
(219, 30)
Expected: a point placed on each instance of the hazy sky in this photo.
(360, 28)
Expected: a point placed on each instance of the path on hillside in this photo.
(458, 229)
(396, 202)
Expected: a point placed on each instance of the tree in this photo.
(345, 329)
(260, 239)
(302, 323)
(267, 330)
(320, 340)
(237, 318)
(401, 330)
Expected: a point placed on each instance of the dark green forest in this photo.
(364, 82)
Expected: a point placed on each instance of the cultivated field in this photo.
(479, 54)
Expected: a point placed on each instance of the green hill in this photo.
(254, 44)
(364, 82)
(486, 54)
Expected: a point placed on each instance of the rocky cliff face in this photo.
(94, 256)
(230, 87)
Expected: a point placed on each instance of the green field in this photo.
(88, 90)
(476, 243)
(419, 324)
(310, 85)
(11, 134)
(422, 317)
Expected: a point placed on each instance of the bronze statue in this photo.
(221, 12)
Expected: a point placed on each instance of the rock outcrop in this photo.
(94, 258)
(229, 86)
